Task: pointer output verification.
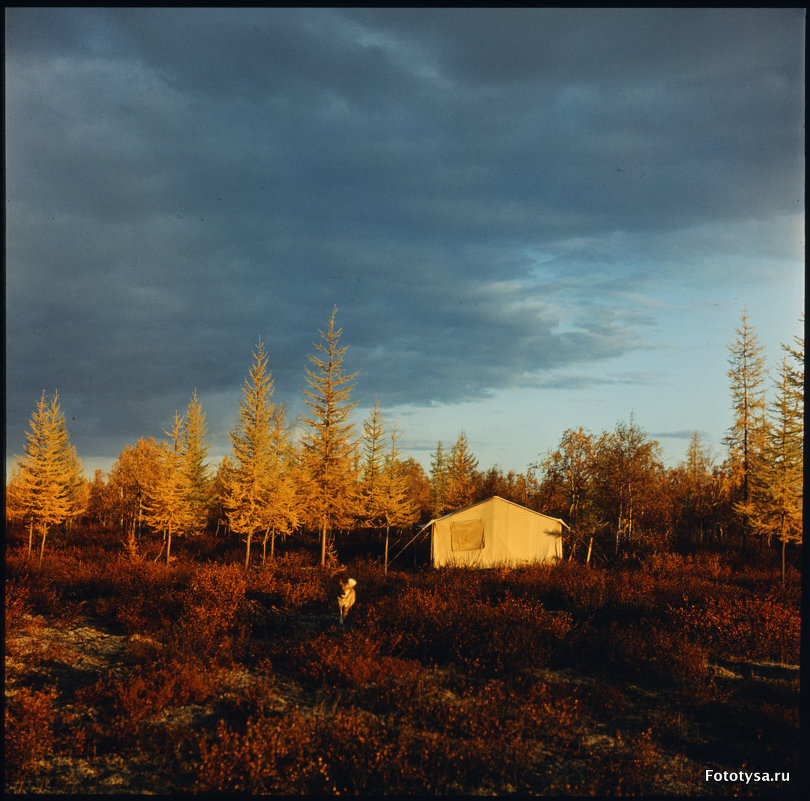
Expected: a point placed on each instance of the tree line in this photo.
(612, 489)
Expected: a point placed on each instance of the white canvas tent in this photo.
(495, 532)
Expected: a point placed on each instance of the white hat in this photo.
(351, 583)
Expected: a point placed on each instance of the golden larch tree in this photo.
(168, 508)
(747, 435)
(249, 477)
(461, 473)
(328, 440)
(283, 500)
(195, 452)
(371, 467)
(777, 488)
(78, 491)
(397, 507)
(44, 478)
(438, 481)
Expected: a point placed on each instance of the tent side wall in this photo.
(511, 533)
(531, 537)
(442, 538)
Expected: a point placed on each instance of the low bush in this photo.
(271, 753)
(338, 659)
(348, 752)
(142, 596)
(752, 628)
(122, 705)
(18, 601)
(637, 650)
(284, 584)
(631, 766)
(213, 621)
(29, 731)
(569, 586)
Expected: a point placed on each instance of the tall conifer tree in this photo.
(328, 445)
(283, 502)
(461, 468)
(217, 512)
(195, 452)
(777, 487)
(438, 481)
(77, 489)
(698, 495)
(373, 460)
(746, 437)
(249, 479)
(396, 507)
(45, 476)
(167, 505)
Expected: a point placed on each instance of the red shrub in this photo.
(123, 704)
(29, 731)
(140, 597)
(747, 627)
(349, 751)
(345, 659)
(638, 650)
(632, 766)
(213, 621)
(292, 588)
(272, 754)
(18, 601)
(484, 639)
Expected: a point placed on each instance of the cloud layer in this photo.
(486, 195)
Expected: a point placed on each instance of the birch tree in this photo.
(327, 443)
(137, 468)
(568, 484)
(627, 468)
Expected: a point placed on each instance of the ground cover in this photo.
(131, 676)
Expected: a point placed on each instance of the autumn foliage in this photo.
(549, 679)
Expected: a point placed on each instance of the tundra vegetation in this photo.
(660, 648)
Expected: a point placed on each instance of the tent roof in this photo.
(503, 500)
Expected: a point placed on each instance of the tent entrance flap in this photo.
(467, 535)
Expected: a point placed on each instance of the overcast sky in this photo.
(529, 220)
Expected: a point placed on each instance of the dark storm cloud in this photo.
(475, 190)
